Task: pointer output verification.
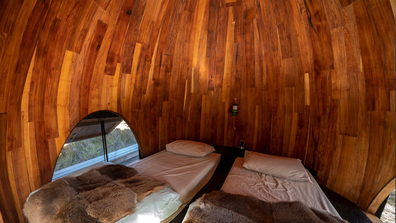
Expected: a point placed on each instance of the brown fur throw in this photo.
(223, 207)
(105, 194)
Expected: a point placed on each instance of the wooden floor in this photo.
(313, 80)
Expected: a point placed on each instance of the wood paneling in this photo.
(9, 209)
(313, 80)
(384, 193)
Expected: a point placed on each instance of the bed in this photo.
(185, 175)
(268, 188)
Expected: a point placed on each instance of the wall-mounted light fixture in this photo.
(234, 111)
(242, 144)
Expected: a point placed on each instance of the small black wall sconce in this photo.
(234, 111)
(242, 144)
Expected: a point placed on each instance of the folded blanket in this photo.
(224, 207)
(105, 194)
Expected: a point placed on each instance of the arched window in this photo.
(100, 136)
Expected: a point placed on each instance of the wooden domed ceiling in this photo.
(313, 80)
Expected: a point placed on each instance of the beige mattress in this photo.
(186, 175)
(246, 182)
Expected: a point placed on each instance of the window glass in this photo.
(388, 215)
(121, 143)
(78, 152)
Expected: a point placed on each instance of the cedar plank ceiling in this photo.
(313, 79)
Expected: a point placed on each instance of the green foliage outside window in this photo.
(80, 151)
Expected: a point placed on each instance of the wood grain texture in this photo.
(313, 80)
(118, 37)
(11, 10)
(382, 195)
(9, 212)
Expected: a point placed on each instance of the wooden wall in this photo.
(313, 80)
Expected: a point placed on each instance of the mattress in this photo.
(250, 183)
(265, 187)
(185, 174)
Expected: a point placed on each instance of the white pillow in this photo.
(189, 148)
(277, 166)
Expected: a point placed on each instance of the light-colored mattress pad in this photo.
(185, 174)
(265, 187)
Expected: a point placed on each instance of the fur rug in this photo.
(105, 194)
(223, 207)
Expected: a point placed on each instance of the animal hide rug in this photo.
(105, 194)
(224, 207)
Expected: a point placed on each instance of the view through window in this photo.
(121, 143)
(388, 215)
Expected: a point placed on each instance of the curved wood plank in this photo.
(9, 212)
(313, 80)
(384, 193)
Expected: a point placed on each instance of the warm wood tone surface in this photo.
(373, 218)
(313, 80)
(384, 193)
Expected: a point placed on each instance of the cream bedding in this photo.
(245, 182)
(186, 174)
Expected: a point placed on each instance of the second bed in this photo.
(243, 181)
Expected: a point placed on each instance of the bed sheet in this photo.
(265, 187)
(155, 208)
(185, 174)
